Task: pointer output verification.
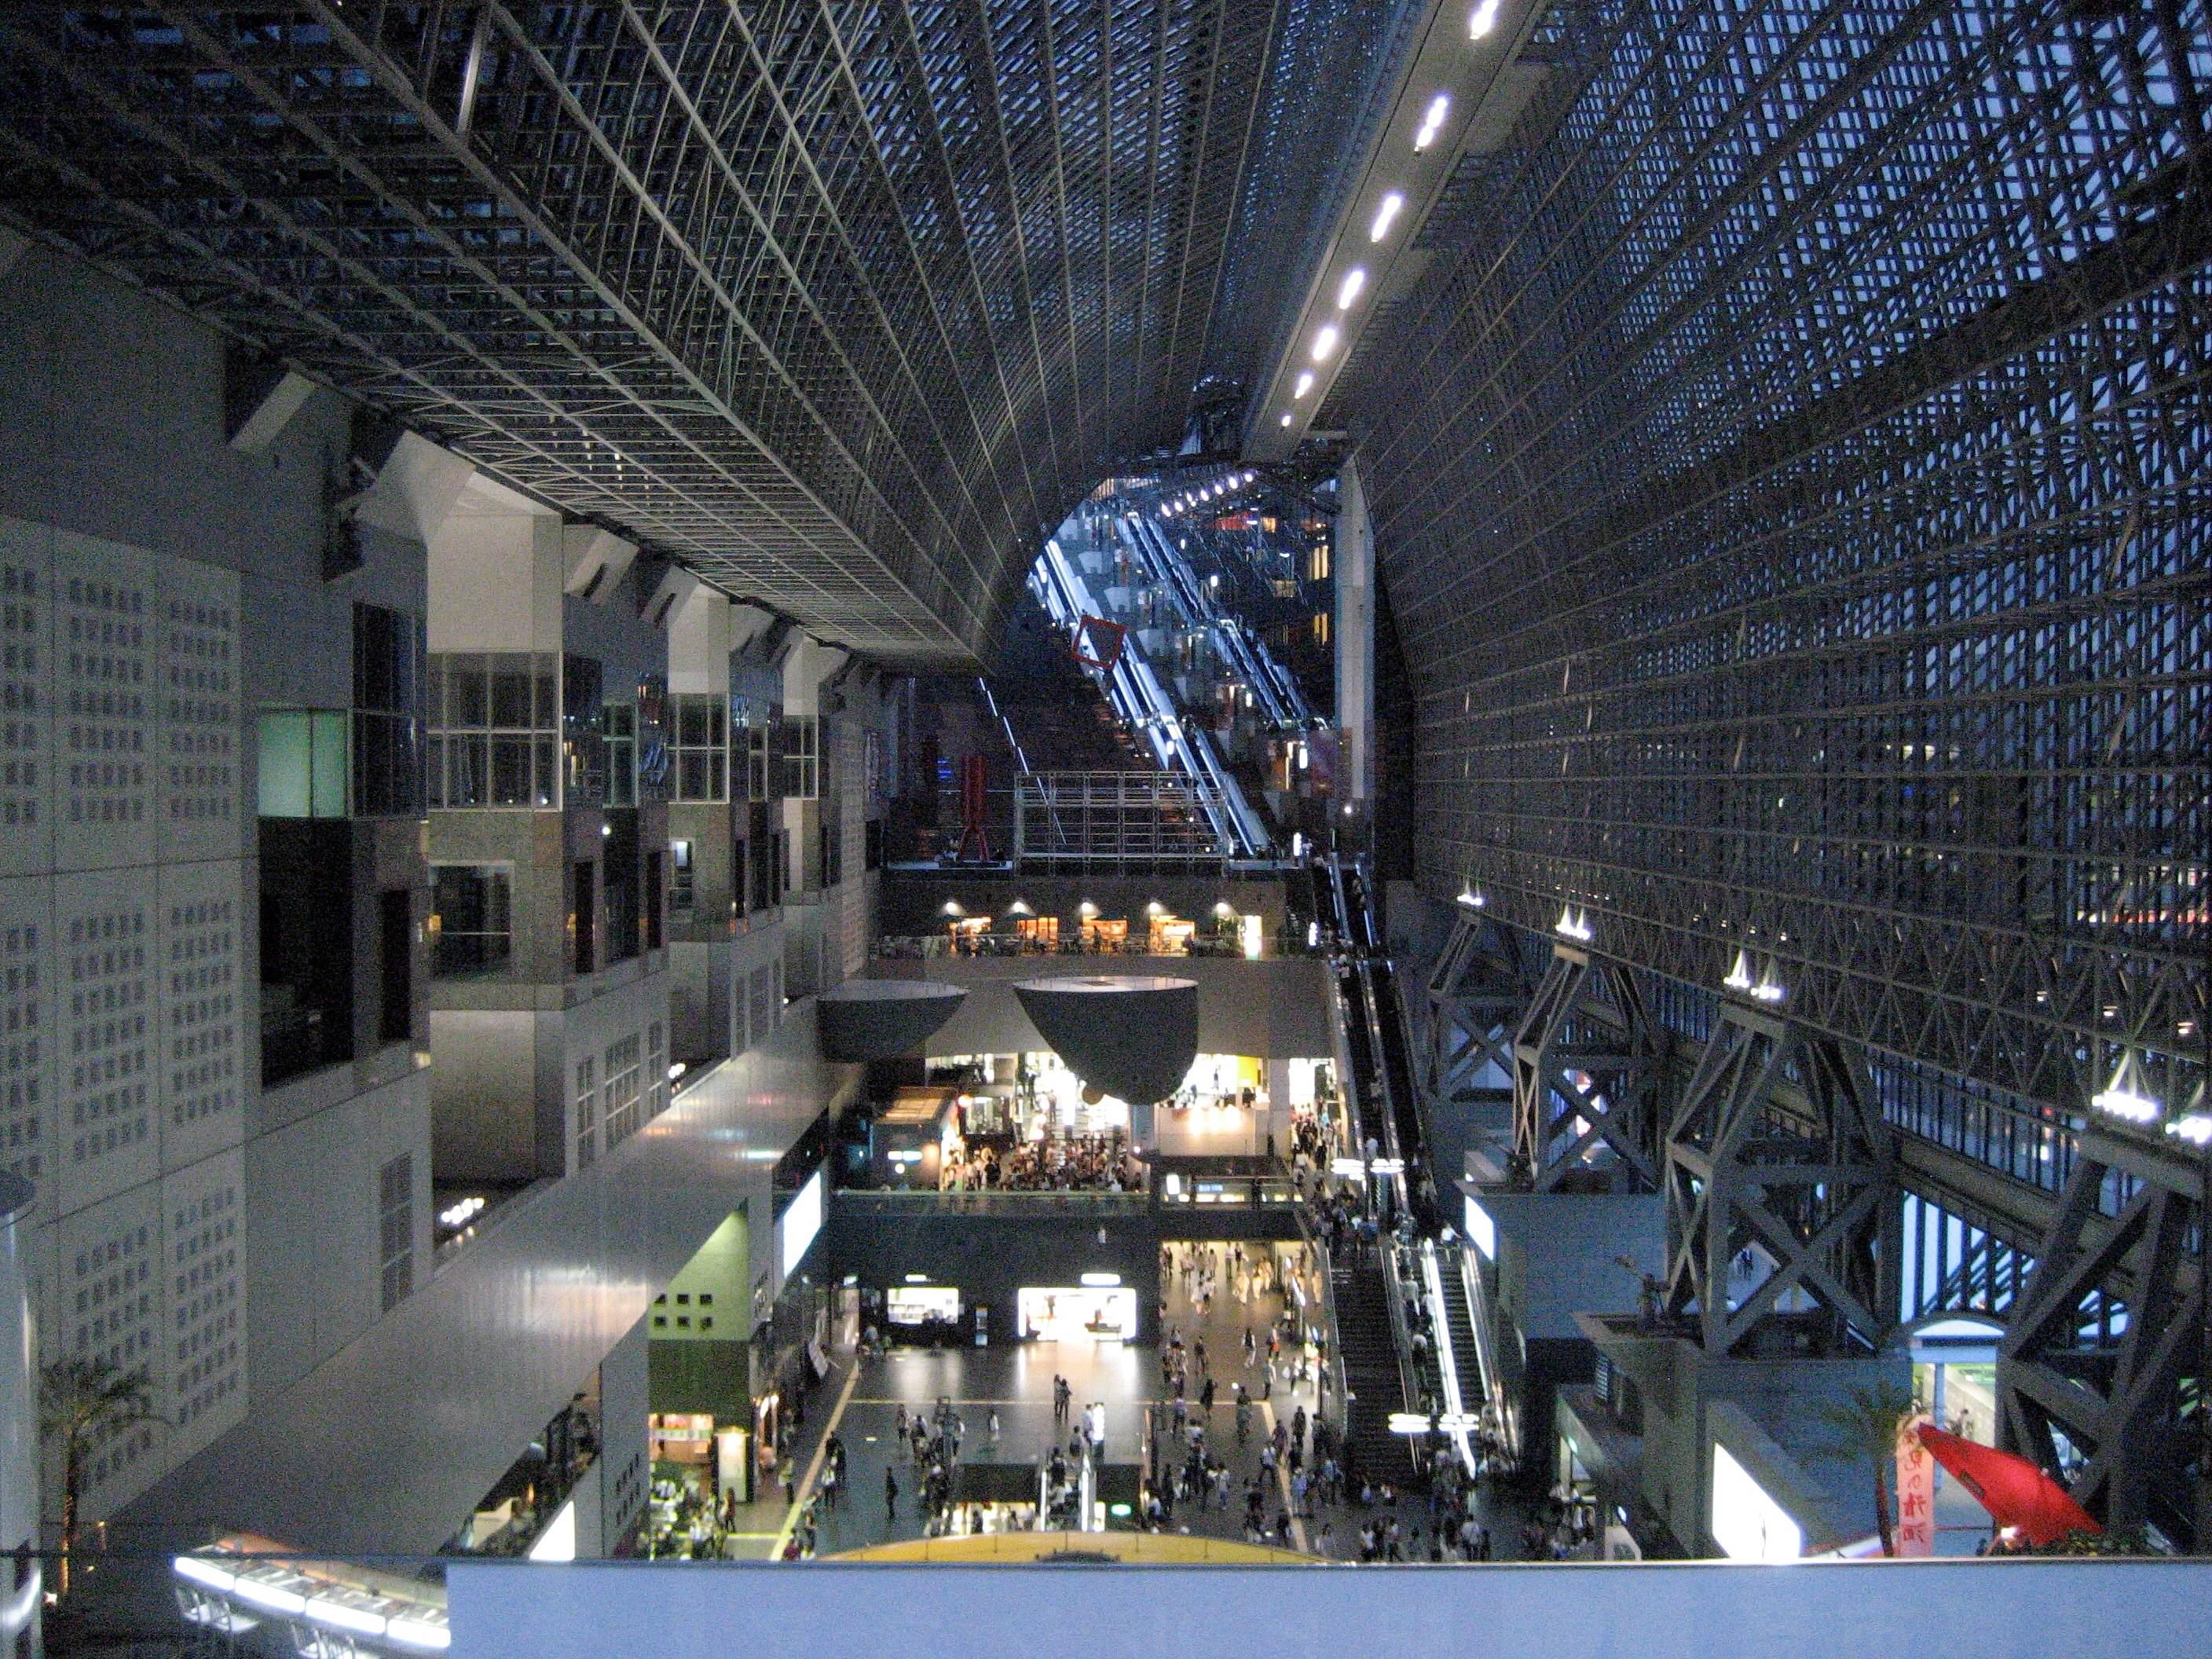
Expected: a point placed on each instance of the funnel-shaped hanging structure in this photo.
(1134, 1037)
(866, 1020)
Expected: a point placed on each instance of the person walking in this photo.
(891, 1494)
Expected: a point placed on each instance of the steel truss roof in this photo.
(837, 303)
(1790, 485)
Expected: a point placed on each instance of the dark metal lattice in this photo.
(839, 303)
(1791, 488)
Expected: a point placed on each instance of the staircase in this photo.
(1370, 1369)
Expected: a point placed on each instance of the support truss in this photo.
(1585, 1078)
(1777, 1153)
(2093, 1372)
(1476, 995)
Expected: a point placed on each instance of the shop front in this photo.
(1086, 1313)
(926, 1315)
(702, 1468)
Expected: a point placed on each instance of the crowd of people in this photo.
(1098, 1163)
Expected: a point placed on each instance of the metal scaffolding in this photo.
(837, 304)
(1790, 481)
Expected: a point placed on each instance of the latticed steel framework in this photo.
(839, 303)
(1791, 490)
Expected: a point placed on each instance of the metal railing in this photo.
(1106, 820)
(1087, 1201)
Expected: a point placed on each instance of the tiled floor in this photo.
(1016, 1381)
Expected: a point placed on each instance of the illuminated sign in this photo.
(796, 1228)
(1747, 1524)
(1482, 1230)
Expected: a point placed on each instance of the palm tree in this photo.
(82, 1402)
(1868, 1423)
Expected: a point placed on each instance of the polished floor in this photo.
(1016, 1381)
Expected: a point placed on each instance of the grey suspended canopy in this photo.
(866, 1020)
(1134, 1038)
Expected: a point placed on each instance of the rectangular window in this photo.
(618, 727)
(586, 917)
(395, 1226)
(496, 731)
(760, 772)
(620, 874)
(801, 757)
(305, 769)
(587, 1114)
(700, 721)
(388, 727)
(681, 893)
(656, 1070)
(583, 731)
(623, 1091)
(655, 923)
(395, 949)
(472, 919)
(306, 928)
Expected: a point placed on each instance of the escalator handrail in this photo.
(1455, 1397)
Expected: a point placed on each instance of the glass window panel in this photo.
(436, 771)
(549, 693)
(468, 762)
(510, 691)
(549, 772)
(510, 772)
(327, 772)
(690, 723)
(467, 690)
(286, 757)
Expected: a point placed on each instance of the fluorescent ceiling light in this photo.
(2127, 1104)
(1348, 291)
(1305, 384)
(1325, 342)
(1386, 215)
(1439, 107)
(328, 1610)
(1484, 19)
(420, 1633)
(201, 1570)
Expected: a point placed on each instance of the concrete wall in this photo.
(624, 1475)
(162, 587)
(312, 1206)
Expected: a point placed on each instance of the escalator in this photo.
(1429, 1279)
(1367, 1345)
